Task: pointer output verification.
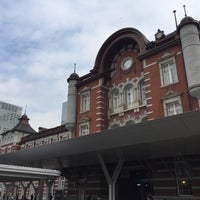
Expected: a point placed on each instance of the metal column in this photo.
(41, 187)
(111, 180)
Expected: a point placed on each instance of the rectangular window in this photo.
(183, 179)
(84, 129)
(168, 72)
(85, 101)
(172, 106)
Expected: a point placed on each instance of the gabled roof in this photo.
(22, 126)
(44, 133)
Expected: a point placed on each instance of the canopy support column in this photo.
(41, 186)
(9, 187)
(111, 180)
(49, 184)
(25, 188)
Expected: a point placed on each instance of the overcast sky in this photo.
(40, 40)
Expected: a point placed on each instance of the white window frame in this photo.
(115, 100)
(142, 93)
(85, 101)
(172, 101)
(84, 129)
(129, 96)
(168, 72)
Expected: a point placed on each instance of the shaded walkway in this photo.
(9, 174)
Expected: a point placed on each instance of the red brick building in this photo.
(141, 94)
(134, 80)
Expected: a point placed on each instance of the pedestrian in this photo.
(89, 197)
(149, 197)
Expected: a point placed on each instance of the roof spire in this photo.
(185, 10)
(74, 75)
(74, 67)
(25, 109)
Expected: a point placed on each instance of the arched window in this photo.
(144, 119)
(142, 94)
(129, 95)
(129, 122)
(115, 99)
(115, 126)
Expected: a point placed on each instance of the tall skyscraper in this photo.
(9, 116)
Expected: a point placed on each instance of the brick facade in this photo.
(133, 80)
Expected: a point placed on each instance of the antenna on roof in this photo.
(25, 109)
(185, 11)
(175, 18)
(74, 67)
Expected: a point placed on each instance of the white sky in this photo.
(40, 40)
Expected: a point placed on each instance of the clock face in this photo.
(126, 63)
(159, 35)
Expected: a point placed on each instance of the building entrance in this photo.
(135, 185)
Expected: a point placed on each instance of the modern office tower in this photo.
(9, 116)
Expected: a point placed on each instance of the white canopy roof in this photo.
(19, 173)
